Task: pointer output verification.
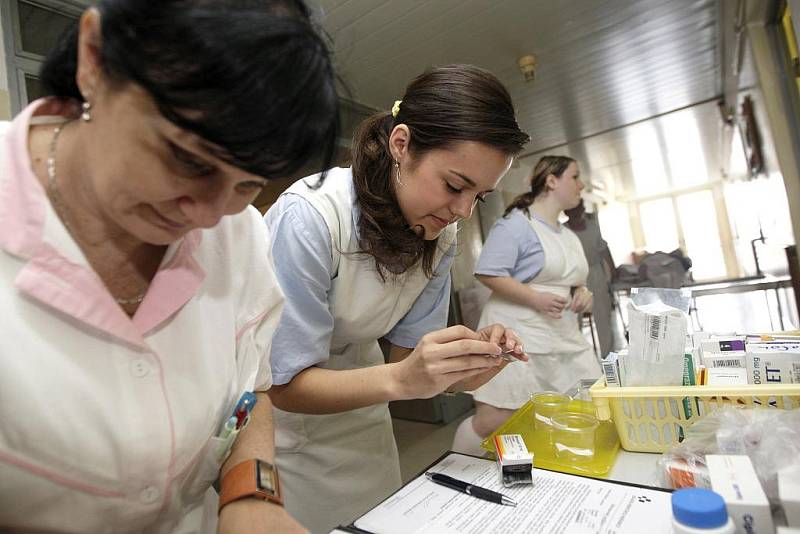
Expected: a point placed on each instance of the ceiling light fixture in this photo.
(527, 64)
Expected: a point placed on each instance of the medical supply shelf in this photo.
(652, 419)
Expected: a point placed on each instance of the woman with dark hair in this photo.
(139, 298)
(537, 272)
(366, 255)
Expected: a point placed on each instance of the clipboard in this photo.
(572, 504)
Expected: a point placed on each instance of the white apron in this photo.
(559, 354)
(335, 467)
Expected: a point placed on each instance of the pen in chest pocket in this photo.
(235, 423)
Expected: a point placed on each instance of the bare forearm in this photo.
(509, 288)
(254, 514)
(323, 391)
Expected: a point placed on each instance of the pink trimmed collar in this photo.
(62, 284)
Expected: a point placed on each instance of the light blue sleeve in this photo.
(511, 249)
(429, 311)
(301, 252)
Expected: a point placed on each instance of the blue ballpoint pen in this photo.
(469, 489)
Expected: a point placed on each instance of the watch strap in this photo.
(251, 478)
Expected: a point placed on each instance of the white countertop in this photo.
(636, 467)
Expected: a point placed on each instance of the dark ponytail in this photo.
(442, 107)
(547, 165)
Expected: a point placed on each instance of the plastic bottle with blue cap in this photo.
(700, 511)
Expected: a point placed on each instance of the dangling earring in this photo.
(397, 170)
(86, 115)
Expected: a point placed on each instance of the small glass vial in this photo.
(700, 511)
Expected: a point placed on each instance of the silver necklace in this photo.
(55, 196)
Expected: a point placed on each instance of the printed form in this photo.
(556, 503)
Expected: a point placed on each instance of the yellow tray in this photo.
(606, 442)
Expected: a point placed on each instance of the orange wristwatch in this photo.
(251, 478)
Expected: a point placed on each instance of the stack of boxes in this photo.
(736, 362)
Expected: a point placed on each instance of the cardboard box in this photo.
(789, 494)
(773, 367)
(726, 376)
(734, 478)
(719, 346)
(727, 360)
(514, 460)
(611, 370)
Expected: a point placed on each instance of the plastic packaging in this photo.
(657, 332)
(700, 511)
(580, 392)
(771, 438)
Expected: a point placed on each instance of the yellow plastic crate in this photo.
(651, 419)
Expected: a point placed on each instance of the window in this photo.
(659, 225)
(31, 29)
(698, 217)
(39, 29)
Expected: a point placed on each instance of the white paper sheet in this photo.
(556, 503)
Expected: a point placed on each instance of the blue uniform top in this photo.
(301, 252)
(513, 248)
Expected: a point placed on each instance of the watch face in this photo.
(266, 478)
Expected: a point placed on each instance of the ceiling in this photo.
(602, 64)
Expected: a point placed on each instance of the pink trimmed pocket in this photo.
(58, 478)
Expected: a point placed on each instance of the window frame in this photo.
(20, 63)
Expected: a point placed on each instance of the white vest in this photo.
(335, 467)
(560, 355)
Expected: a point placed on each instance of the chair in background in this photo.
(586, 321)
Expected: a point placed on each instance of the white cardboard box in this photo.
(734, 478)
(726, 376)
(725, 360)
(720, 346)
(773, 367)
(789, 493)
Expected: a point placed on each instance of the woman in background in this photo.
(537, 271)
(366, 255)
(138, 295)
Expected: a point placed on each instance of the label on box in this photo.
(720, 376)
(734, 478)
(511, 450)
(773, 367)
(722, 345)
(727, 360)
(611, 370)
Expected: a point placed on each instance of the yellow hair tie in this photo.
(396, 108)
